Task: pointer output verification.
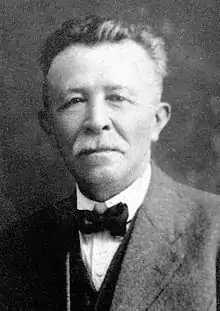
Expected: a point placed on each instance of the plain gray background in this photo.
(189, 149)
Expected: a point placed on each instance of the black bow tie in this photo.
(114, 219)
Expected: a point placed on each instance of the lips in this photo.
(97, 150)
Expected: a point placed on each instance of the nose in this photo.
(97, 117)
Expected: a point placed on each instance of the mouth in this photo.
(97, 151)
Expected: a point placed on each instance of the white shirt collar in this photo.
(133, 195)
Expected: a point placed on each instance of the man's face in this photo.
(105, 111)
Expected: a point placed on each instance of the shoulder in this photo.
(29, 221)
(41, 213)
(193, 210)
(185, 193)
(38, 227)
(200, 201)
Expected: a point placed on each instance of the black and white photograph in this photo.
(110, 155)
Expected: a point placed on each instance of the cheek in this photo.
(66, 128)
(142, 136)
(139, 129)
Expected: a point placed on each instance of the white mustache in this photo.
(87, 145)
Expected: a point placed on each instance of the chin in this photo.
(100, 175)
(100, 187)
(105, 174)
(103, 183)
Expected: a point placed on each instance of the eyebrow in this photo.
(116, 87)
(71, 90)
(108, 88)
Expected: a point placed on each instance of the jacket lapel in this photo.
(155, 249)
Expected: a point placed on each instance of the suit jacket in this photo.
(172, 261)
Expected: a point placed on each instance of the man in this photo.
(129, 238)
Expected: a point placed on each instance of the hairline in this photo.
(158, 76)
(76, 32)
(102, 43)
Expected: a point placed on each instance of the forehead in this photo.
(125, 62)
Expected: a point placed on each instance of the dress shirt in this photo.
(98, 249)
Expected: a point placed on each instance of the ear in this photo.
(45, 122)
(47, 125)
(162, 117)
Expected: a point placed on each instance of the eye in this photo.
(72, 102)
(115, 98)
(76, 100)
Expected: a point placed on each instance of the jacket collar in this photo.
(155, 249)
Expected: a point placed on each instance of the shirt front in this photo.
(98, 249)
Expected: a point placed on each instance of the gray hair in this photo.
(93, 30)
